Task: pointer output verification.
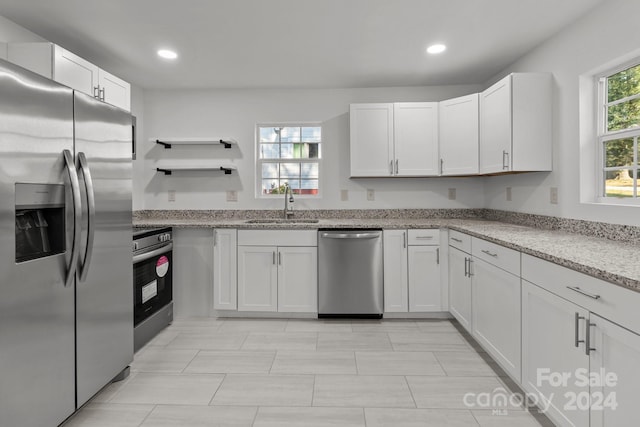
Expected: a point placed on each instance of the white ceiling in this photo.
(297, 43)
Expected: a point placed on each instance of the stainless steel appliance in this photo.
(65, 224)
(350, 274)
(152, 283)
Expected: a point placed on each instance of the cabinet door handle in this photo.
(587, 344)
(101, 92)
(438, 256)
(577, 331)
(391, 167)
(215, 238)
(397, 169)
(274, 258)
(581, 292)
(96, 92)
(505, 159)
(441, 166)
(470, 272)
(279, 259)
(484, 251)
(466, 268)
(456, 240)
(404, 239)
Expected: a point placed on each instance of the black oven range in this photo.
(152, 283)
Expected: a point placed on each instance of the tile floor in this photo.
(259, 372)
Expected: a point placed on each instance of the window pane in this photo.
(309, 170)
(309, 186)
(312, 134)
(270, 186)
(290, 134)
(619, 152)
(286, 151)
(623, 116)
(269, 151)
(618, 183)
(269, 170)
(268, 134)
(289, 170)
(623, 84)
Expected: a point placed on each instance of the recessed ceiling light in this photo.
(436, 48)
(167, 54)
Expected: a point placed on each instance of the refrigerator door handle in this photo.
(77, 216)
(91, 211)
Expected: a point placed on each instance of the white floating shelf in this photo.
(169, 142)
(169, 169)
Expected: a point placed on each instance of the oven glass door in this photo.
(152, 285)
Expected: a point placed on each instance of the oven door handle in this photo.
(147, 255)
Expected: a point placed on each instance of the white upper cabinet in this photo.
(390, 139)
(459, 135)
(371, 139)
(515, 124)
(415, 138)
(67, 68)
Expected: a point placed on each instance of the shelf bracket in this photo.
(166, 171)
(227, 171)
(166, 145)
(225, 143)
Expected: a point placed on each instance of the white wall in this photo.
(605, 34)
(234, 113)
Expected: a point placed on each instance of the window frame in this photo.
(603, 136)
(259, 161)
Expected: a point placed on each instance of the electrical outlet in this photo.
(344, 195)
(371, 195)
(509, 198)
(232, 196)
(452, 194)
(553, 195)
(171, 195)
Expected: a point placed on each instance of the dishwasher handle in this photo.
(363, 235)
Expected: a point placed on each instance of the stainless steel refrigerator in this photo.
(66, 310)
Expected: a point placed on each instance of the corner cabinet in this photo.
(67, 68)
(225, 279)
(394, 139)
(278, 271)
(459, 135)
(515, 124)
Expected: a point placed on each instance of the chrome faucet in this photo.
(288, 209)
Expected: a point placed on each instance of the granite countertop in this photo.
(609, 260)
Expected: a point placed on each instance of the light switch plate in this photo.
(171, 195)
(371, 195)
(553, 195)
(344, 195)
(452, 194)
(509, 195)
(232, 196)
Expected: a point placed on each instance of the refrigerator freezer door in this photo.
(37, 362)
(104, 297)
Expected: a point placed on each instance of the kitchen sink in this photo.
(282, 221)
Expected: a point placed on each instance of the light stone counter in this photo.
(610, 260)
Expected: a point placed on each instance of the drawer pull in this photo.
(577, 332)
(489, 253)
(456, 240)
(424, 237)
(580, 291)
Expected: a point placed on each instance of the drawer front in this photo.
(424, 237)
(460, 240)
(611, 301)
(504, 258)
(278, 237)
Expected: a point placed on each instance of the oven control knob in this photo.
(135, 246)
(161, 237)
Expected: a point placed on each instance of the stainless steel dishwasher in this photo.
(350, 273)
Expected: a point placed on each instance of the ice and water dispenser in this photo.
(40, 217)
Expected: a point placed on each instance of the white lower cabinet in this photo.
(257, 278)
(496, 314)
(225, 269)
(425, 290)
(460, 286)
(553, 343)
(614, 358)
(297, 276)
(396, 291)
